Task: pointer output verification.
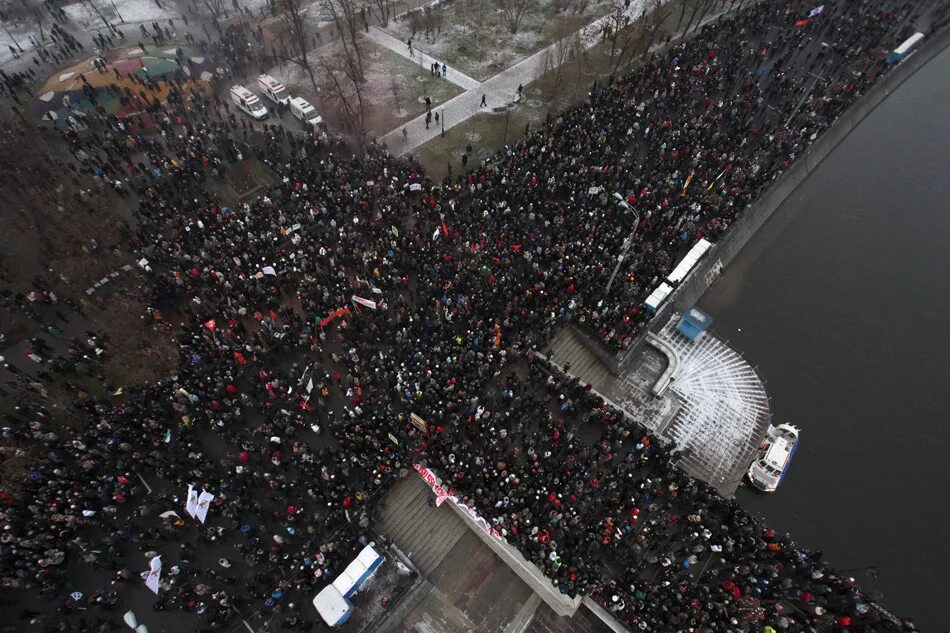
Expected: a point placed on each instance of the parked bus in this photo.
(905, 49)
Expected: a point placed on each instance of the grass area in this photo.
(243, 180)
(396, 89)
(544, 99)
(485, 132)
(475, 38)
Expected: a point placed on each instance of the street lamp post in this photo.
(801, 101)
(627, 243)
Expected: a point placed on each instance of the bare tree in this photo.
(514, 12)
(381, 10)
(432, 19)
(683, 6)
(346, 18)
(344, 90)
(293, 14)
(699, 12)
(217, 8)
(634, 40)
(564, 50)
(93, 6)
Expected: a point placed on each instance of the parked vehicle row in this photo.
(250, 103)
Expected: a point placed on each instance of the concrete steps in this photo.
(565, 349)
(425, 534)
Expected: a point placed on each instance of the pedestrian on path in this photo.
(428, 103)
(483, 103)
(428, 118)
(409, 44)
(405, 134)
(444, 69)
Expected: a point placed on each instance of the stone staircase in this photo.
(566, 348)
(425, 534)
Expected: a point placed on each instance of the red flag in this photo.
(802, 22)
(239, 357)
(210, 324)
(445, 229)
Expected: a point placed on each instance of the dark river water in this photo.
(842, 301)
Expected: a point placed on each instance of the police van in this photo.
(273, 89)
(248, 102)
(302, 109)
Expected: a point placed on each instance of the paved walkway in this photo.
(500, 90)
(399, 47)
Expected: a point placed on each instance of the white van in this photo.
(273, 89)
(248, 101)
(302, 109)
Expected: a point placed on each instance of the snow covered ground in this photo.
(132, 11)
(20, 35)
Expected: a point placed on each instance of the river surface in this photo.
(842, 301)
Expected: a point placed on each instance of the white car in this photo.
(302, 109)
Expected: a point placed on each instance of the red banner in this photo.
(441, 495)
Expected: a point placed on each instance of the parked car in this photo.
(248, 102)
(273, 89)
(302, 109)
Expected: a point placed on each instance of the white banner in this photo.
(204, 501)
(191, 505)
(364, 302)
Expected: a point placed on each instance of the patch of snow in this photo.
(132, 11)
(18, 34)
(66, 76)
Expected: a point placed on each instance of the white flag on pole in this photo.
(816, 11)
(204, 502)
(310, 385)
(154, 574)
(191, 505)
(269, 270)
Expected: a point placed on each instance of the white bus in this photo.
(905, 49)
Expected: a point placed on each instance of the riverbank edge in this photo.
(744, 229)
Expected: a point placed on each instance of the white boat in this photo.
(772, 460)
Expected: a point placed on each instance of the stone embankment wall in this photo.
(742, 230)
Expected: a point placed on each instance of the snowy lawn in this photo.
(132, 11)
(475, 37)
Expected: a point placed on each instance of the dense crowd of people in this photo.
(355, 292)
